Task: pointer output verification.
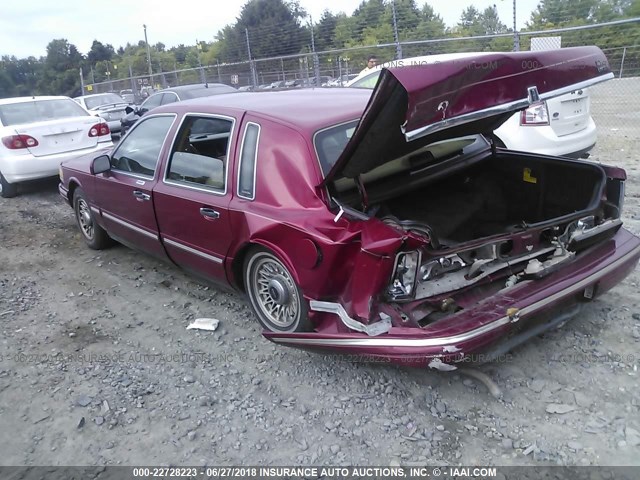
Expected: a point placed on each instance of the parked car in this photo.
(37, 133)
(109, 106)
(170, 95)
(558, 126)
(342, 80)
(387, 228)
(129, 96)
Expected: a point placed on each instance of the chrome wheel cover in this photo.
(274, 292)
(83, 213)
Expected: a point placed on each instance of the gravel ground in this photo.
(97, 368)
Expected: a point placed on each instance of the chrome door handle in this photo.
(209, 213)
(141, 195)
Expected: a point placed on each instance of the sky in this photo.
(27, 26)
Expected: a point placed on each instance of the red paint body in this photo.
(349, 261)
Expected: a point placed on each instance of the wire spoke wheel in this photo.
(94, 235)
(84, 219)
(274, 293)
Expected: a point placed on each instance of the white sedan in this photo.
(561, 126)
(38, 133)
(109, 106)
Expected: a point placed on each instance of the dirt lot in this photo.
(97, 367)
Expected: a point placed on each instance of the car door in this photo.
(150, 103)
(192, 199)
(169, 97)
(124, 194)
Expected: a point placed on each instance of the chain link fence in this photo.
(611, 101)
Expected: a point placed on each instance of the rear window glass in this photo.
(330, 143)
(205, 92)
(368, 81)
(100, 100)
(39, 111)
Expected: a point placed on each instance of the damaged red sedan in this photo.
(382, 224)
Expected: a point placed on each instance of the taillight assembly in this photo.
(16, 142)
(536, 114)
(99, 130)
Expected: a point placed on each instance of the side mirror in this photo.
(100, 164)
(141, 111)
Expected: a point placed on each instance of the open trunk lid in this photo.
(416, 105)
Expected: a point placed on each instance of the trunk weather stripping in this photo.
(374, 329)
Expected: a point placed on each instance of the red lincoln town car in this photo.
(382, 224)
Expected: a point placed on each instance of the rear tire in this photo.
(7, 190)
(275, 296)
(93, 234)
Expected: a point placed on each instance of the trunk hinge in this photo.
(363, 193)
(492, 141)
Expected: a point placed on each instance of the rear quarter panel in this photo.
(289, 215)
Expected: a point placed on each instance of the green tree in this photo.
(343, 36)
(469, 23)
(370, 13)
(100, 52)
(490, 21)
(430, 27)
(61, 69)
(274, 28)
(431, 24)
(408, 17)
(554, 13)
(325, 31)
(61, 56)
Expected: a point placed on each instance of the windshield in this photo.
(100, 100)
(205, 92)
(367, 82)
(39, 110)
(330, 143)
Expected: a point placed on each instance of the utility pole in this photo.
(202, 75)
(81, 82)
(148, 55)
(395, 31)
(134, 88)
(516, 35)
(316, 63)
(251, 64)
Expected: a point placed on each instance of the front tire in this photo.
(93, 234)
(275, 296)
(7, 190)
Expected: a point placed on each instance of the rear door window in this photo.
(169, 97)
(152, 102)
